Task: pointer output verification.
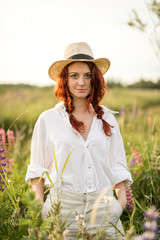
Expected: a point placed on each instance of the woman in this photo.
(79, 127)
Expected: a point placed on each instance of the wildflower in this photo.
(3, 138)
(10, 136)
(129, 195)
(79, 217)
(137, 157)
(148, 236)
(11, 139)
(82, 231)
(132, 162)
(135, 160)
(6, 148)
(150, 225)
(152, 214)
(2, 176)
(2, 162)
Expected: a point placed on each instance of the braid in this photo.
(106, 126)
(68, 103)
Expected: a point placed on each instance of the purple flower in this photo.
(1, 150)
(150, 225)
(132, 162)
(152, 214)
(3, 157)
(148, 236)
(2, 163)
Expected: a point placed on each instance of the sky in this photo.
(35, 33)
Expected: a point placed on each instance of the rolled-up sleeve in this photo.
(117, 157)
(40, 159)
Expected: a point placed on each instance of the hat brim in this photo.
(56, 68)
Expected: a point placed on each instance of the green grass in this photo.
(33, 100)
(140, 127)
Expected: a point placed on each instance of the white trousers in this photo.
(105, 214)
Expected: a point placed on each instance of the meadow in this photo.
(139, 121)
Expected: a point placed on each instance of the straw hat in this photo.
(76, 52)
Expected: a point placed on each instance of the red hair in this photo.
(98, 90)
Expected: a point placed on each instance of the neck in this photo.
(79, 105)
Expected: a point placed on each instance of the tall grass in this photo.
(139, 121)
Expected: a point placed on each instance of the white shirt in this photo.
(93, 165)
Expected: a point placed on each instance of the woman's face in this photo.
(79, 79)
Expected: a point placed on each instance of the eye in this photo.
(88, 75)
(74, 76)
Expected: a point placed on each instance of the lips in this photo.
(81, 89)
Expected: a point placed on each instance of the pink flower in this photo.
(130, 200)
(137, 157)
(10, 136)
(5, 148)
(135, 160)
(3, 138)
(11, 139)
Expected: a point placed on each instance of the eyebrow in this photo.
(77, 72)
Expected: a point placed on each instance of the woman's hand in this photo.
(120, 190)
(38, 188)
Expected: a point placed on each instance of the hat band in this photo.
(81, 56)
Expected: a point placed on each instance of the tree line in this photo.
(139, 84)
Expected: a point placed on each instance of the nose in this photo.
(81, 81)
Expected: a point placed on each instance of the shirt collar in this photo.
(62, 110)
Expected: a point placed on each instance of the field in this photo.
(139, 121)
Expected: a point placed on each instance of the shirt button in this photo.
(89, 167)
(89, 187)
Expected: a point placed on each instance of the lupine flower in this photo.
(150, 225)
(148, 236)
(135, 160)
(152, 214)
(3, 138)
(129, 195)
(137, 157)
(5, 148)
(132, 162)
(10, 138)
(2, 164)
